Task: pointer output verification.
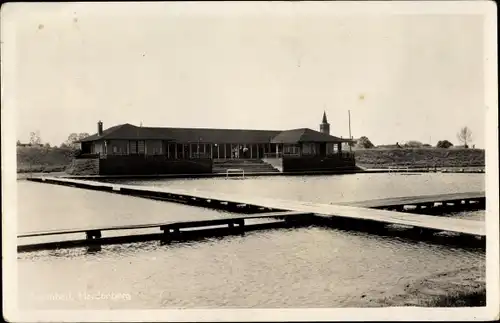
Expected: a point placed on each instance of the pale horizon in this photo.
(403, 77)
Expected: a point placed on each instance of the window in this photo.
(309, 149)
(291, 150)
(133, 147)
(141, 147)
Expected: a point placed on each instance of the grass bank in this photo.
(468, 298)
(419, 157)
(457, 288)
(42, 159)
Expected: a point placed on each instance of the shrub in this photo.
(364, 142)
(413, 144)
(444, 144)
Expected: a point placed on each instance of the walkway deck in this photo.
(434, 223)
(416, 200)
(204, 222)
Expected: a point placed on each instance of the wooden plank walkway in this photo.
(413, 200)
(462, 226)
(177, 224)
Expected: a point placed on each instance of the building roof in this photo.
(208, 135)
(303, 135)
(187, 135)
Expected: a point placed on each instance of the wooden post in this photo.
(93, 234)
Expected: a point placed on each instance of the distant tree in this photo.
(364, 142)
(426, 145)
(444, 144)
(465, 136)
(83, 135)
(71, 141)
(18, 143)
(413, 144)
(73, 138)
(47, 145)
(35, 138)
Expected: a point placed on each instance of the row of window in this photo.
(138, 147)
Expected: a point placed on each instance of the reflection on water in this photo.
(330, 189)
(48, 207)
(478, 215)
(310, 267)
(307, 267)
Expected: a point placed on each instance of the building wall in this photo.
(150, 165)
(316, 163)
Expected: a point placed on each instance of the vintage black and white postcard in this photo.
(250, 161)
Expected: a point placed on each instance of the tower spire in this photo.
(324, 127)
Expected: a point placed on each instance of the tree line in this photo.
(464, 136)
(72, 141)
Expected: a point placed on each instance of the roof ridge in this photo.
(224, 129)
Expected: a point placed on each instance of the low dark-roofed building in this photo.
(193, 146)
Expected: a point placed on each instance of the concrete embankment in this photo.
(359, 170)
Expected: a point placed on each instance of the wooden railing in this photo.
(235, 171)
(87, 156)
(273, 155)
(340, 155)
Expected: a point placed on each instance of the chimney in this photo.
(99, 128)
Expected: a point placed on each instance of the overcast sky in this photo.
(404, 77)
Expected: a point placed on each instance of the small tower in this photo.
(324, 127)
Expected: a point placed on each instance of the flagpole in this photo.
(350, 136)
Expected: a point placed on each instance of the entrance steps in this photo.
(247, 165)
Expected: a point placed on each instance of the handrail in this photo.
(230, 170)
